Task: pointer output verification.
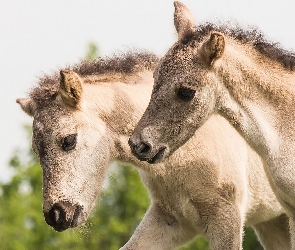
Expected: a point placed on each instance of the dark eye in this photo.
(69, 142)
(185, 94)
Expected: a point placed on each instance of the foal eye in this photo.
(69, 142)
(185, 94)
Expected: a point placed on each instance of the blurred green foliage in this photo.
(92, 52)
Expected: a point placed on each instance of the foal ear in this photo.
(27, 105)
(70, 88)
(183, 21)
(213, 48)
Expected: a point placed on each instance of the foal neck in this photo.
(255, 96)
(252, 76)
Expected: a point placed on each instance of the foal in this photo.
(236, 74)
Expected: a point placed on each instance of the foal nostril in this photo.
(139, 147)
(63, 215)
(143, 148)
(57, 214)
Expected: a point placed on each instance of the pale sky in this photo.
(38, 36)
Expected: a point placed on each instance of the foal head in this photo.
(184, 94)
(80, 118)
(72, 147)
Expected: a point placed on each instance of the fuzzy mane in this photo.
(124, 63)
(253, 36)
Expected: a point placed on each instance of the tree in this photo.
(92, 52)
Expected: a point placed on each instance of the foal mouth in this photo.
(158, 157)
(144, 151)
